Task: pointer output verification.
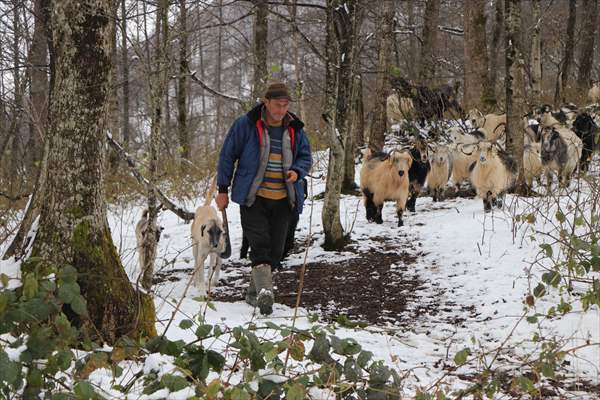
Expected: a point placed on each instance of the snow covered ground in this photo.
(478, 265)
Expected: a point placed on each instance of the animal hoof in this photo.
(400, 223)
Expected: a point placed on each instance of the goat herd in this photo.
(555, 142)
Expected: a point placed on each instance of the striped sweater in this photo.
(273, 183)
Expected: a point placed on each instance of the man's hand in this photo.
(222, 201)
(292, 176)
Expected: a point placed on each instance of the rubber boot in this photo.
(263, 282)
(251, 293)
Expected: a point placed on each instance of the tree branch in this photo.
(213, 91)
(179, 211)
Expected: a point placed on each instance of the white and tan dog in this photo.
(208, 238)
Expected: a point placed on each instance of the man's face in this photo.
(277, 108)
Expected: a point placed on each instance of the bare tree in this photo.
(158, 84)
(38, 75)
(73, 226)
(560, 95)
(125, 78)
(476, 86)
(412, 41)
(515, 94)
(261, 30)
(536, 54)
(495, 47)
(586, 50)
(182, 127)
(382, 85)
(429, 47)
(344, 19)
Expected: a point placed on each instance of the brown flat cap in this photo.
(277, 90)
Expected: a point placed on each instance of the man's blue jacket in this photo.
(242, 145)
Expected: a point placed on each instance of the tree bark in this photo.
(382, 85)
(125, 65)
(73, 227)
(536, 54)
(345, 20)
(515, 96)
(158, 83)
(182, 128)
(38, 95)
(568, 58)
(412, 42)
(477, 91)
(428, 49)
(261, 30)
(586, 50)
(495, 49)
(354, 137)
(218, 73)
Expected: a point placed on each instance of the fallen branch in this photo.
(168, 204)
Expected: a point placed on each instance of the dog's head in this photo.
(213, 230)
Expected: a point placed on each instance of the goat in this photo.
(208, 239)
(532, 162)
(561, 151)
(418, 171)
(141, 229)
(589, 133)
(441, 169)
(492, 174)
(463, 156)
(385, 177)
(399, 109)
(594, 93)
(493, 125)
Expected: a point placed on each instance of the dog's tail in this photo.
(211, 191)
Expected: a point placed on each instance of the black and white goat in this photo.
(589, 133)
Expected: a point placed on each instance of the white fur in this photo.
(399, 109)
(493, 125)
(463, 156)
(490, 177)
(205, 218)
(594, 93)
(532, 162)
(574, 149)
(441, 167)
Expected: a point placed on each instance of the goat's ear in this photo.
(202, 230)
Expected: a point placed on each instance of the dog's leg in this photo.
(200, 257)
(215, 262)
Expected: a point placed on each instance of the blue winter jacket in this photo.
(242, 145)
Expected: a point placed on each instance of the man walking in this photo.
(273, 155)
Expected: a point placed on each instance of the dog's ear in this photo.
(202, 230)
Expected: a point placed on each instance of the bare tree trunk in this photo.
(354, 136)
(73, 228)
(412, 42)
(382, 85)
(182, 128)
(298, 63)
(476, 87)
(330, 56)
(158, 84)
(568, 58)
(515, 100)
(536, 54)
(125, 65)
(586, 50)
(344, 19)
(19, 86)
(218, 72)
(428, 49)
(113, 112)
(38, 96)
(495, 48)
(261, 30)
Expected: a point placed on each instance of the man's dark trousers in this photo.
(265, 225)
